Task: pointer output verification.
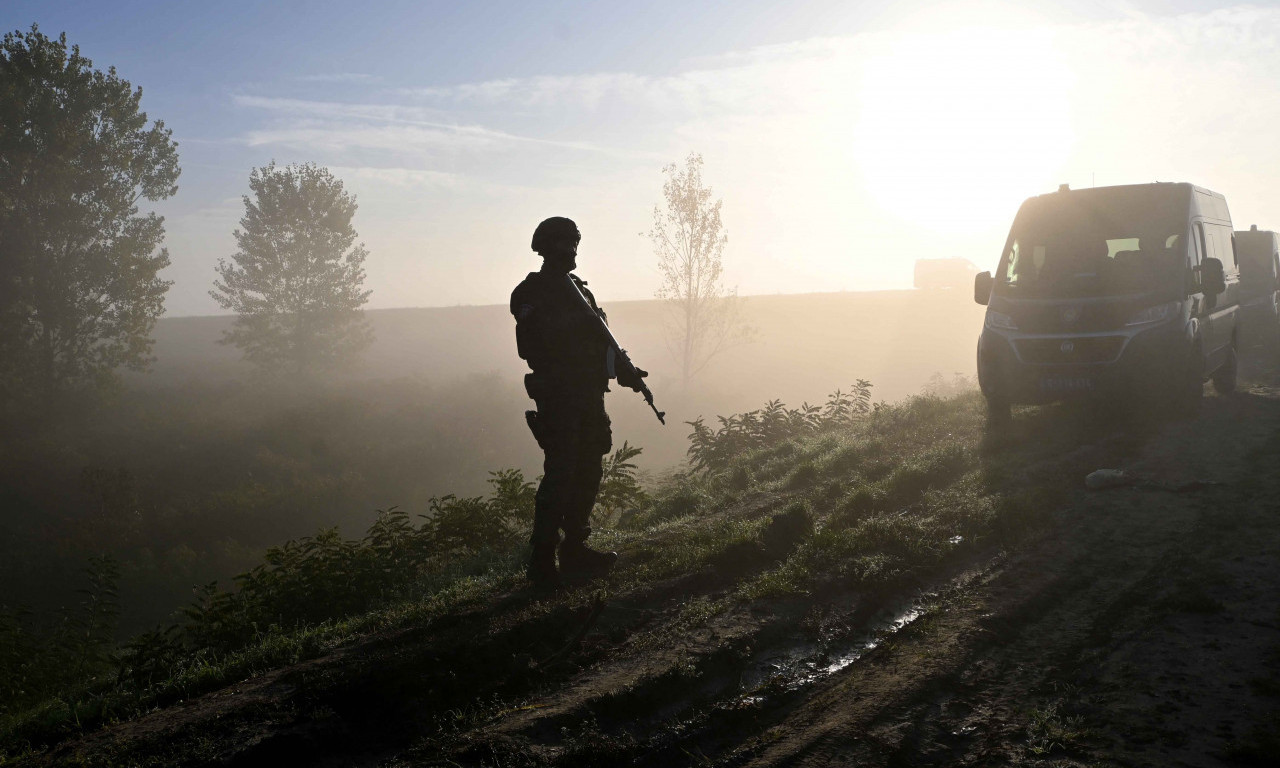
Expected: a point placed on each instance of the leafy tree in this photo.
(296, 281)
(704, 317)
(79, 284)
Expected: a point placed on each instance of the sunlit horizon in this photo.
(841, 159)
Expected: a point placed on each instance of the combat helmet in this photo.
(551, 230)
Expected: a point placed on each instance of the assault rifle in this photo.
(619, 353)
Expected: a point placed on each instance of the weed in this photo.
(678, 502)
(802, 476)
(713, 450)
(1049, 730)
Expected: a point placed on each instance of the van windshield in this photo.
(1094, 243)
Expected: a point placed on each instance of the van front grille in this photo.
(1088, 349)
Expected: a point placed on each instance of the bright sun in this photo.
(957, 127)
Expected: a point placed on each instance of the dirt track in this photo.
(1143, 630)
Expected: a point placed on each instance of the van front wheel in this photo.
(1224, 379)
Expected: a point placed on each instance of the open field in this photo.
(807, 346)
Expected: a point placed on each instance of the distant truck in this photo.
(944, 273)
(1259, 252)
(1130, 290)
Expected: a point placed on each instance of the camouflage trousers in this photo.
(574, 433)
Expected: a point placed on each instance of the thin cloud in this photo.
(338, 77)
(229, 208)
(336, 124)
(727, 89)
(402, 178)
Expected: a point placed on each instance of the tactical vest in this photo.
(559, 337)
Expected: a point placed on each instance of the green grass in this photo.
(886, 501)
(203, 672)
(1050, 730)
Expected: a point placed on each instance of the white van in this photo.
(1126, 290)
(1259, 252)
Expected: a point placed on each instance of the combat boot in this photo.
(579, 560)
(541, 569)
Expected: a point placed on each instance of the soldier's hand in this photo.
(632, 378)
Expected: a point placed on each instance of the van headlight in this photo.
(1000, 320)
(1157, 314)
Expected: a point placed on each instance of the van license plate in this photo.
(1067, 384)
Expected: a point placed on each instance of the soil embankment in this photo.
(1136, 625)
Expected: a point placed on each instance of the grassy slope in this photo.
(815, 532)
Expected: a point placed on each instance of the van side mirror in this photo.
(1212, 277)
(983, 282)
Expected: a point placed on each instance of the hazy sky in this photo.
(846, 139)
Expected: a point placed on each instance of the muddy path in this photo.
(1143, 629)
(1140, 627)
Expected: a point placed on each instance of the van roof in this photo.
(1087, 190)
(1210, 204)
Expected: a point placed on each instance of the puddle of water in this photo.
(803, 662)
(898, 622)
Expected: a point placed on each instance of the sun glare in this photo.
(955, 128)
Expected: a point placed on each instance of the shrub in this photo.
(713, 450)
(619, 488)
(37, 661)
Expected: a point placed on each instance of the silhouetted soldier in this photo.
(565, 346)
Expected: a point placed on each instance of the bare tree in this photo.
(703, 317)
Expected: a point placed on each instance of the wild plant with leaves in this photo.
(300, 584)
(711, 450)
(39, 659)
(620, 489)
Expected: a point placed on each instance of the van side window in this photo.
(1211, 242)
(1013, 266)
(1195, 256)
(1021, 265)
(1222, 245)
(1121, 245)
